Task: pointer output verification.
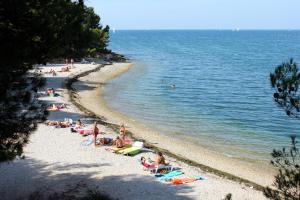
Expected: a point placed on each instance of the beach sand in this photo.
(56, 162)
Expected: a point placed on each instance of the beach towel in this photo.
(87, 142)
(116, 149)
(169, 175)
(131, 151)
(53, 94)
(179, 181)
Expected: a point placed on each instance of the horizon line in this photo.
(200, 29)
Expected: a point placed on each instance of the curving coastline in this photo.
(89, 97)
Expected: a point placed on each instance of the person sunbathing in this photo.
(159, 159)
(118, 142)
(61, 124)
(123, 137)
(106, 141)
(65, 69)
(147, 164)
(57, 106)
(78, 124)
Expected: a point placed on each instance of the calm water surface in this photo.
(222, 99)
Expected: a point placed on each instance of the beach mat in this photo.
(179, 181)
(131, 151)
(169, 175)
(87, 142)
(116, 149)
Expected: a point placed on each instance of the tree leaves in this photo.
(285, 80)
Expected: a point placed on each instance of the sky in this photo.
(198, 14)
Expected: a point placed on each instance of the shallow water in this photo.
(222, 96)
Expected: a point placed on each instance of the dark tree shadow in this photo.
(34, 179)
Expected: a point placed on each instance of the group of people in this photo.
(65, 69)
(119, 142)
(71, 62)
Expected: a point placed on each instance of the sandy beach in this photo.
(93, 100)
(56, 162)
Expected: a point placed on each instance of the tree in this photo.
(33, 32)
(285, 81)
(287, 181)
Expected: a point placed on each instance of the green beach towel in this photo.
(117, 150)
(131, 151)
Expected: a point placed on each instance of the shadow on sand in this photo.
(34, 179)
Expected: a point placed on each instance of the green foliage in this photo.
(285, 80)
(33, 32)
(287, 181)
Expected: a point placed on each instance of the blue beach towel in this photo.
(169, 175)
(87, 142)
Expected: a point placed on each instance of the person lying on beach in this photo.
(65, 69)
(106, 141)
(147, 164)
(61, 124)
(56, 106)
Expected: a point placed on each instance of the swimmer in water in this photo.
(173, 86)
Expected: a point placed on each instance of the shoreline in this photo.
(57, 163)
(92, 102)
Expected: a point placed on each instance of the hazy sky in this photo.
(198, 14)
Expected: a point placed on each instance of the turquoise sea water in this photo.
(222, 100)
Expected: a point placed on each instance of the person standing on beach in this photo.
(72, 63)
(95, 132)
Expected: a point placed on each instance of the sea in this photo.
(210, 87)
